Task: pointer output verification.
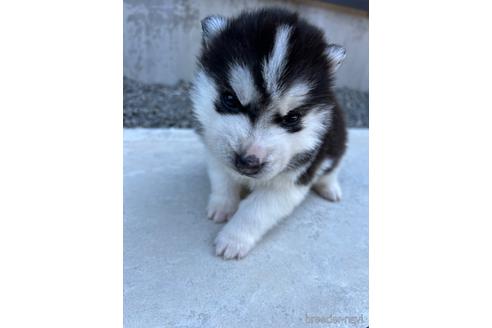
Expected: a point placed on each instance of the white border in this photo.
(430, 164)
(61, 164)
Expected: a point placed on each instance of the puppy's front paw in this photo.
(232, 244)
(221, 208)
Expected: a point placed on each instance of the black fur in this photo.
(292, 128)
(333, 146)
(301, 159)
(248, 39)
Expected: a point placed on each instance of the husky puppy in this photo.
(263, 99)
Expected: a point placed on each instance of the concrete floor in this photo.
(312, 269)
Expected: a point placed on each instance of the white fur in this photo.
(203, 97)
(274, 192)
(226, 134)
(336, 54)
(274, 66)
(215, 24)
(327, 163)
(223, 134)
(224, 197)
(328, 186)
(293, 97)
(241, 80)
(257, 214)
(280, 146)
(273, 196)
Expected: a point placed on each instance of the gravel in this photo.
(158, 105)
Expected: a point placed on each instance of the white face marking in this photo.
(274, 66)
(241, 80)
(315, 122)
(280, 146)
(203, 95)
(293, 97)
(223, 134)
(228, 134)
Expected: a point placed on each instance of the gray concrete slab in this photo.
(311, 267)
(161, 38)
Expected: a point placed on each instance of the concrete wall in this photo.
(162, 37)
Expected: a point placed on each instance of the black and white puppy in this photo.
(263, 98)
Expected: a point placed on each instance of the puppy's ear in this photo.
(336, 55)
(212, 25)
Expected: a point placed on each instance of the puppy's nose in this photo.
(248, 164)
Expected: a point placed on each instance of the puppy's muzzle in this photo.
(248, 164)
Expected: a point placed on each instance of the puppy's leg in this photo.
(224, 197)
(328, 186)
(259, 212)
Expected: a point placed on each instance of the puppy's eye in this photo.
(291, 119)
(230, 102)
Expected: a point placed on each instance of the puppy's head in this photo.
(262, 94)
